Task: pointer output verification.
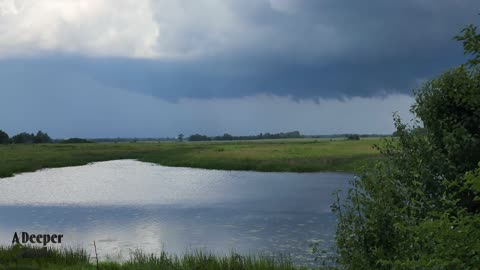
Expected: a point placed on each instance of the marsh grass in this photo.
(28, 257)
(300, 155)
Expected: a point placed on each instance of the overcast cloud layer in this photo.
(172, 56)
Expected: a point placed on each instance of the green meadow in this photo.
(290, 155)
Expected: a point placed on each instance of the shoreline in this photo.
(286, 156)
(346, 173)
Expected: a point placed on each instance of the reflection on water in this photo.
(126, 204)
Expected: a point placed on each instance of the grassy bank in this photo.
(295, 155)
(18, 257)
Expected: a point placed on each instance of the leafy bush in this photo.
(418, 208)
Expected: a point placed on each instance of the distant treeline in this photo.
(30, 138)
(42, 137)
(24, 137)
(228, 137)
(346, 135)
(118, 139)
(282, 135)
(73, 140)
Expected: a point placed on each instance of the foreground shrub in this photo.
(418, 208)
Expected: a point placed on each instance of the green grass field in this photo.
(293, 155)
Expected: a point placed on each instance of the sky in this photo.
(146, 68)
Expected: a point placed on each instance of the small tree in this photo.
(180, 137)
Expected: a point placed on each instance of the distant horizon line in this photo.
(211, 136)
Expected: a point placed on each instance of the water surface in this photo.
(127, 204)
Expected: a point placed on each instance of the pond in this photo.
(125, 205)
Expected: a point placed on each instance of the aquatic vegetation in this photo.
(29, 257)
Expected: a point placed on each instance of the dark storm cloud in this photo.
(308, 49)
(235, 78)
(217, 66)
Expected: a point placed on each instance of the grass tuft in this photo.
(30, 257)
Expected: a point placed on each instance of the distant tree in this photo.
(180, 137)
(294, 134)
(354, 137)
(4, 139)
(42, 137)
(227, 137)
(75, 140)
(198, 137)
(23, 137)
